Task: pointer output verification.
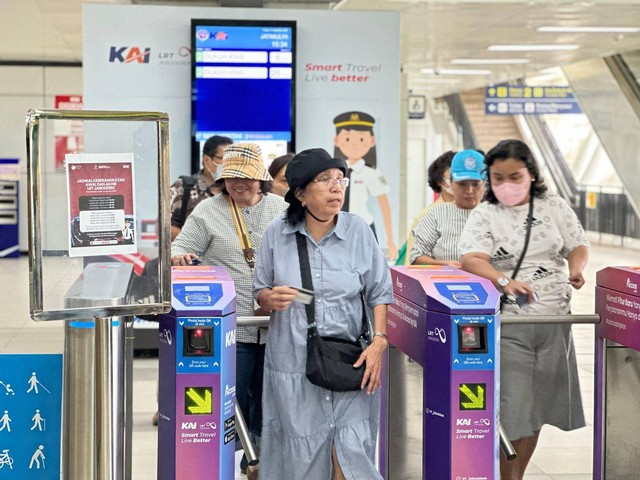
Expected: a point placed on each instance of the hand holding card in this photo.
(303, 296)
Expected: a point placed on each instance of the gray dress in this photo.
(302, 422)
(539, 376)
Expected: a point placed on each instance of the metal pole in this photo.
(548, 319)
(127, 447)
(78, 430)
(506, 445)
(104, 400)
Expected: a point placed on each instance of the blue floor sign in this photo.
(30, 416)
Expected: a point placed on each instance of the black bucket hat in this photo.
(306, 165)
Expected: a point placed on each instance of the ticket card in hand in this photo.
(303, 296)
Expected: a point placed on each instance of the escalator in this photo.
(609, 95)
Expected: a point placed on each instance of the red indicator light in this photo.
(468, 329)
(198, 333)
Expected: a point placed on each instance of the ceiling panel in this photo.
(433, 33)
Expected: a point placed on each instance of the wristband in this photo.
(381, 334)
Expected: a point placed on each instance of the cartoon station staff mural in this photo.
(356, 143)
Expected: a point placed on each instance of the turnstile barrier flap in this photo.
(445, 289)
(202, 290)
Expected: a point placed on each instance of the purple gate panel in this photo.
(619, 317)
(407, 328)
(197, 431)
(473, 431)
(436, 393)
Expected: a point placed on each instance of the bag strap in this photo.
(526, 237)
(307, 282)
(245, 243)
(188, 182)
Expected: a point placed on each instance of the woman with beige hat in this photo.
(214, 234)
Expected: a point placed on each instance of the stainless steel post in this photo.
(104, 400)
(78, 438)
(121, 397)
(127, 445)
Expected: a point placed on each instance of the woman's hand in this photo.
(277, 298)
(576, 280)
(183, 259)
(372, 358)
(515, 287)
(453, 263)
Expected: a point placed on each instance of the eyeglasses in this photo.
(328, 183)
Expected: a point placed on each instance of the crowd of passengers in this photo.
(282, 232)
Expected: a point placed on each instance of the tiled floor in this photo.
(559, 456)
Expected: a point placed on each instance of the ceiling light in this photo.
(489, 61)
(531, 48)
(454, 71)
(588, 29)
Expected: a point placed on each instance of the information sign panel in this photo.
(528, 100)
(30, 416)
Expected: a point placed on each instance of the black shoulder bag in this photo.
(180, 216)
(329, 359)
(527, 236)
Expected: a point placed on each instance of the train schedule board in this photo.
(244, 71)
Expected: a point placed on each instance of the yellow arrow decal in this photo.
(476, 400)
(202, 405)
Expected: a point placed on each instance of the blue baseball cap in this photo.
(467, 165)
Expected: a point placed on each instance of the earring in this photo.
(304, 204)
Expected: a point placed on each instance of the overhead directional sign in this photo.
(472, 396)
(198, 401)
(526, 100)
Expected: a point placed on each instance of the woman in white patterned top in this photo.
(210, 234)
(437, 234)
(539, 376)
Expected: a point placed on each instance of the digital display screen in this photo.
(243, 78)
(198, 401)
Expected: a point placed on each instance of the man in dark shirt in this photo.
(200, 185)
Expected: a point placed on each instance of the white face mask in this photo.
(214, 173)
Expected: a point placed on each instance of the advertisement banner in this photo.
(101, 204)
(347, 86)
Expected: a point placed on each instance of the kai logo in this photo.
(189, 425)
(398, 283)
(463, 421)
(230, 338)
(129, 55)
(229, 390)
(631, 285)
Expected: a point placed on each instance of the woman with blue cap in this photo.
(438, 232)
(312, 432)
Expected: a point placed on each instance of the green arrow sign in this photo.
(472, 396)
(198, 401)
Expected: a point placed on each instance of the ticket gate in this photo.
(197, 424)
(446, 322)
(617, 375)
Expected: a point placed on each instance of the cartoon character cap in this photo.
(354, 121)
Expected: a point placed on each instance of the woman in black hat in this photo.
(304, 424)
